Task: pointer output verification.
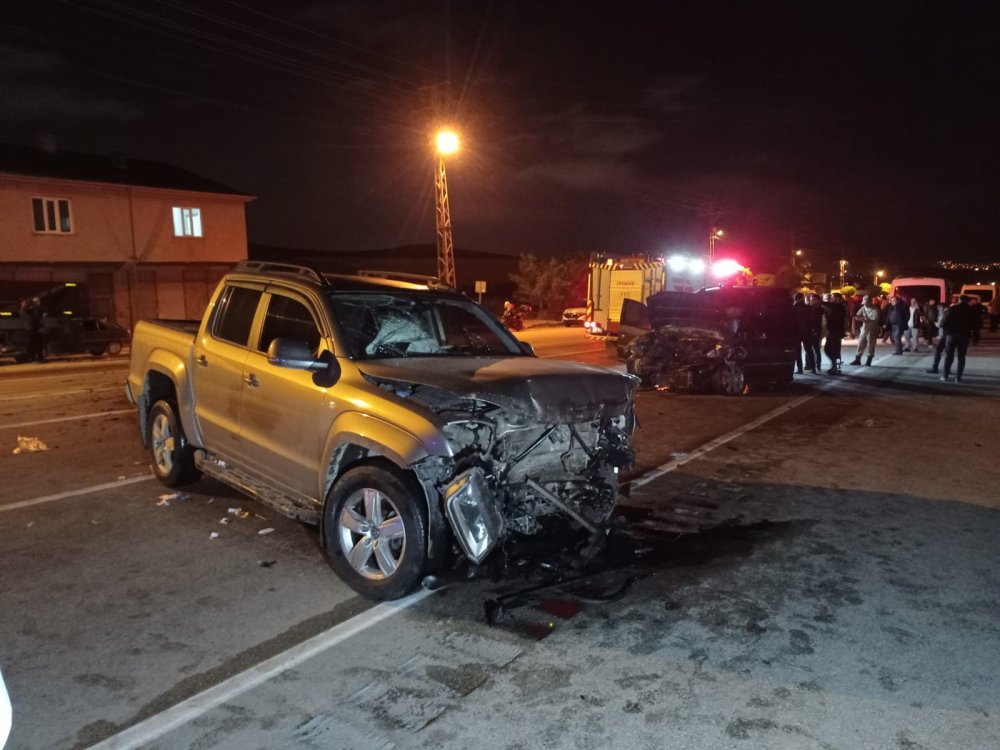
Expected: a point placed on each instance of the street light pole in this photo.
(447, 143)
(716, 234)
(843, 272)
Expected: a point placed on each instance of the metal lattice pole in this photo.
(445, 248)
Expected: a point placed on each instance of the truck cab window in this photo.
(236, 317)
(288, 318)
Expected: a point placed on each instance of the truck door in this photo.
(219, 354)
(285, 417)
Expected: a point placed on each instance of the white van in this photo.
(922, 287)
(985, 292)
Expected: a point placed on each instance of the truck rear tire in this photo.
(171, 456)
(375, 531)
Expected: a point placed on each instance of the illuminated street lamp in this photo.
(446, 142)
(796, 254)
(878, 275)
(843, 272)
(716, 234)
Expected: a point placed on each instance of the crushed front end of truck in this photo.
(531, 458)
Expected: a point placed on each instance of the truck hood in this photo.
(549, 390)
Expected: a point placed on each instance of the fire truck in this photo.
(612, 280)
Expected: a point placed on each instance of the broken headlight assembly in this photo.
(472, 510)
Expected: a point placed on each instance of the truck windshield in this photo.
(376, 325)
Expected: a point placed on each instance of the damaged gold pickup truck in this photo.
(401, 417)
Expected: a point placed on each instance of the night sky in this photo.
(863, 130)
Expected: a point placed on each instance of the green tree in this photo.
(547, 283)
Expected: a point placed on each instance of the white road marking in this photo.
(75, 493)
(156, 726)
(92, 415)
(59, 394)
(711, 445)
(69, 372)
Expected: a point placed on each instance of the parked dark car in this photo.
(718, 339)
(62, 336)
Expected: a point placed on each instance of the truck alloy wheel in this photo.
(172, 457)
(375, 531)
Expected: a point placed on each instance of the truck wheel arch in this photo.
(168, 377)
(349, 449)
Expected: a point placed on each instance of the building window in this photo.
(187, 222)
(52, 215)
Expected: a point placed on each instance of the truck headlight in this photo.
(472, 511)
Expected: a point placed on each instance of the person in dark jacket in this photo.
(815, 333)
(930, 321)
(836, 323)
(802, 315)
(978, 312)
(31, 313)
(957, 330)
(897, 320)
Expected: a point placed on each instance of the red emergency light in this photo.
(726, 268)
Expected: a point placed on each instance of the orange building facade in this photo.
(145, 239)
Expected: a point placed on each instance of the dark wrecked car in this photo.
(402, 418)
(719, 339)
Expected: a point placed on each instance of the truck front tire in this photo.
(171, 456)
(375, 531)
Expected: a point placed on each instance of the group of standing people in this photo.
(905, 323)
(810, 319)
(958, 325)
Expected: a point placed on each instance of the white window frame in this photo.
(187, 222)
(54, 203)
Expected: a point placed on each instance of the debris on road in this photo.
(173, 496)
(163, 502)
(213, 535)
(268, 530)
(224, 520)
(26, 444)
(266, 563)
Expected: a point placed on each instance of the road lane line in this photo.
(26, 396)
(711, 445)
(75, 493)
(69, 372)
(187, 710)
(92, 415)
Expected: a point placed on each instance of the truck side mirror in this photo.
(292, 354)
(296, 355)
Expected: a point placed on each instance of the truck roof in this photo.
(363, 281)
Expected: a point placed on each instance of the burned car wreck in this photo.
(720, 339)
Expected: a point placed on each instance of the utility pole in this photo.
(445, 247)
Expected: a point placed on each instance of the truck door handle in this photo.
(251, 380)
(202, 361)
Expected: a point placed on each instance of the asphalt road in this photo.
(830, 579)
